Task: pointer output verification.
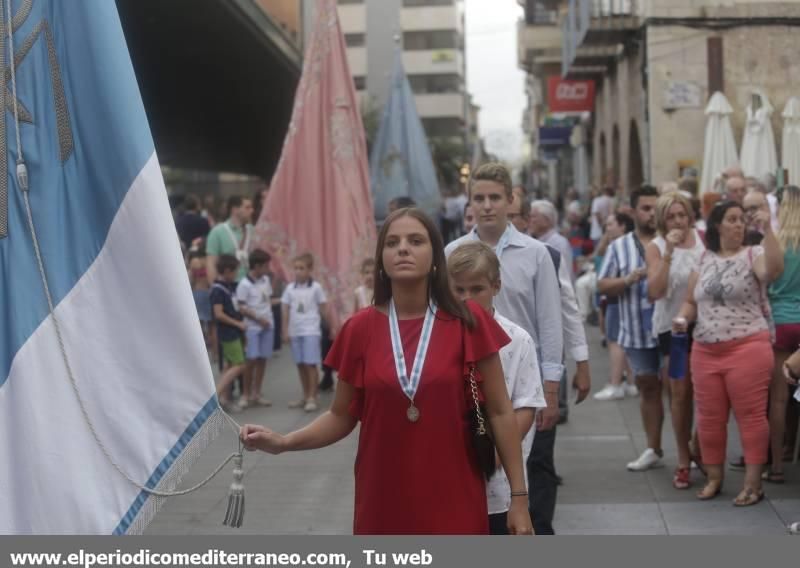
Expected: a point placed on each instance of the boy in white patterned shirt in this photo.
(475, 275)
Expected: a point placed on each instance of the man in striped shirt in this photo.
(624, 274)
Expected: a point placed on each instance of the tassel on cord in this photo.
(234, 516)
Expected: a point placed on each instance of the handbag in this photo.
(480, 430)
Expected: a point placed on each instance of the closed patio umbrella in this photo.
(758, 145)
(790, 149)
(719, 151)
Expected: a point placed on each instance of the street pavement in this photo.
(312, 492)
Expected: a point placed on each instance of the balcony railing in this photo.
(580, 17)
(610, 8)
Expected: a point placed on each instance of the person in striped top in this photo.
(624, 275)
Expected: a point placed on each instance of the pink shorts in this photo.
(787, 337)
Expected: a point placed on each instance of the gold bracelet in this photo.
(519, 493)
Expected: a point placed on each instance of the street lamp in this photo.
(464, 171)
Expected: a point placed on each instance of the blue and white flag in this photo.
(120, 292)
(400, 164)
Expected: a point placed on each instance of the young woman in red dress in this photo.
(401, 366)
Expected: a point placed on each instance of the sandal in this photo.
(710, 490)
(748, 497)
(680, 480)
(773, 477)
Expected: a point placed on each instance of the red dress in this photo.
(415, 478)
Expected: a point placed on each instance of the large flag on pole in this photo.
(319, 199)
(111, 390)
(400, 163)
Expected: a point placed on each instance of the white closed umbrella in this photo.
(719, 151)
(790, 149)
(759, 156)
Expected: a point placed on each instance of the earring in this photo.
(434, 270)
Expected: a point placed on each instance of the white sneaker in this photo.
(231, 407)
(311, 406)
(648, 460)
(630, 390)
(610, 392)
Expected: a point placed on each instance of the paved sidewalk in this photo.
(312, 492)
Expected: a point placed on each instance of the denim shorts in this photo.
(644, 361)
(260, 343)
(612, 323)
(307, 349)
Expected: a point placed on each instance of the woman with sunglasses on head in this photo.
(731, 359)
(402, 367)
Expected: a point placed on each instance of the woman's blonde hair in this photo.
(663, 205)
(475, 258)
(789, 217)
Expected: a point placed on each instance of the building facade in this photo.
(656, 63)
(431, 33)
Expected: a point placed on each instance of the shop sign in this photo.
(570, 96)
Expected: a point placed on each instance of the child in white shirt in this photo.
(304, 303)
(475, 275)
(254, 296)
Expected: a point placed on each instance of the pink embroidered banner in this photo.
(319, 199)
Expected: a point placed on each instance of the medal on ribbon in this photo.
(410, 384)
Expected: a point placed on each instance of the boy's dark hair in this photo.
(234, 201)
(227, 262)
(643, 191)
(190, 203)
(626, 221)
(258, 257)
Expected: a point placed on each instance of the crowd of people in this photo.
(696, 299)
(700, 299)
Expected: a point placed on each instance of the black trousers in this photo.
(326, 344)
(563, 393)
(542, 482)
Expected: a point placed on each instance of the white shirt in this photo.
(601, 205)
(454, 207)
(256, 295)
(683, 262)
(303, 302)
(529, 296)
(571, 321)
(524, 384)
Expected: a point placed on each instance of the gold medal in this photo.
(412, 413)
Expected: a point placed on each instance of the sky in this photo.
(495, 81)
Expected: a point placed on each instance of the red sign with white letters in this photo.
(570, 96)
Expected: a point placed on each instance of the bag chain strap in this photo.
(474, 386)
